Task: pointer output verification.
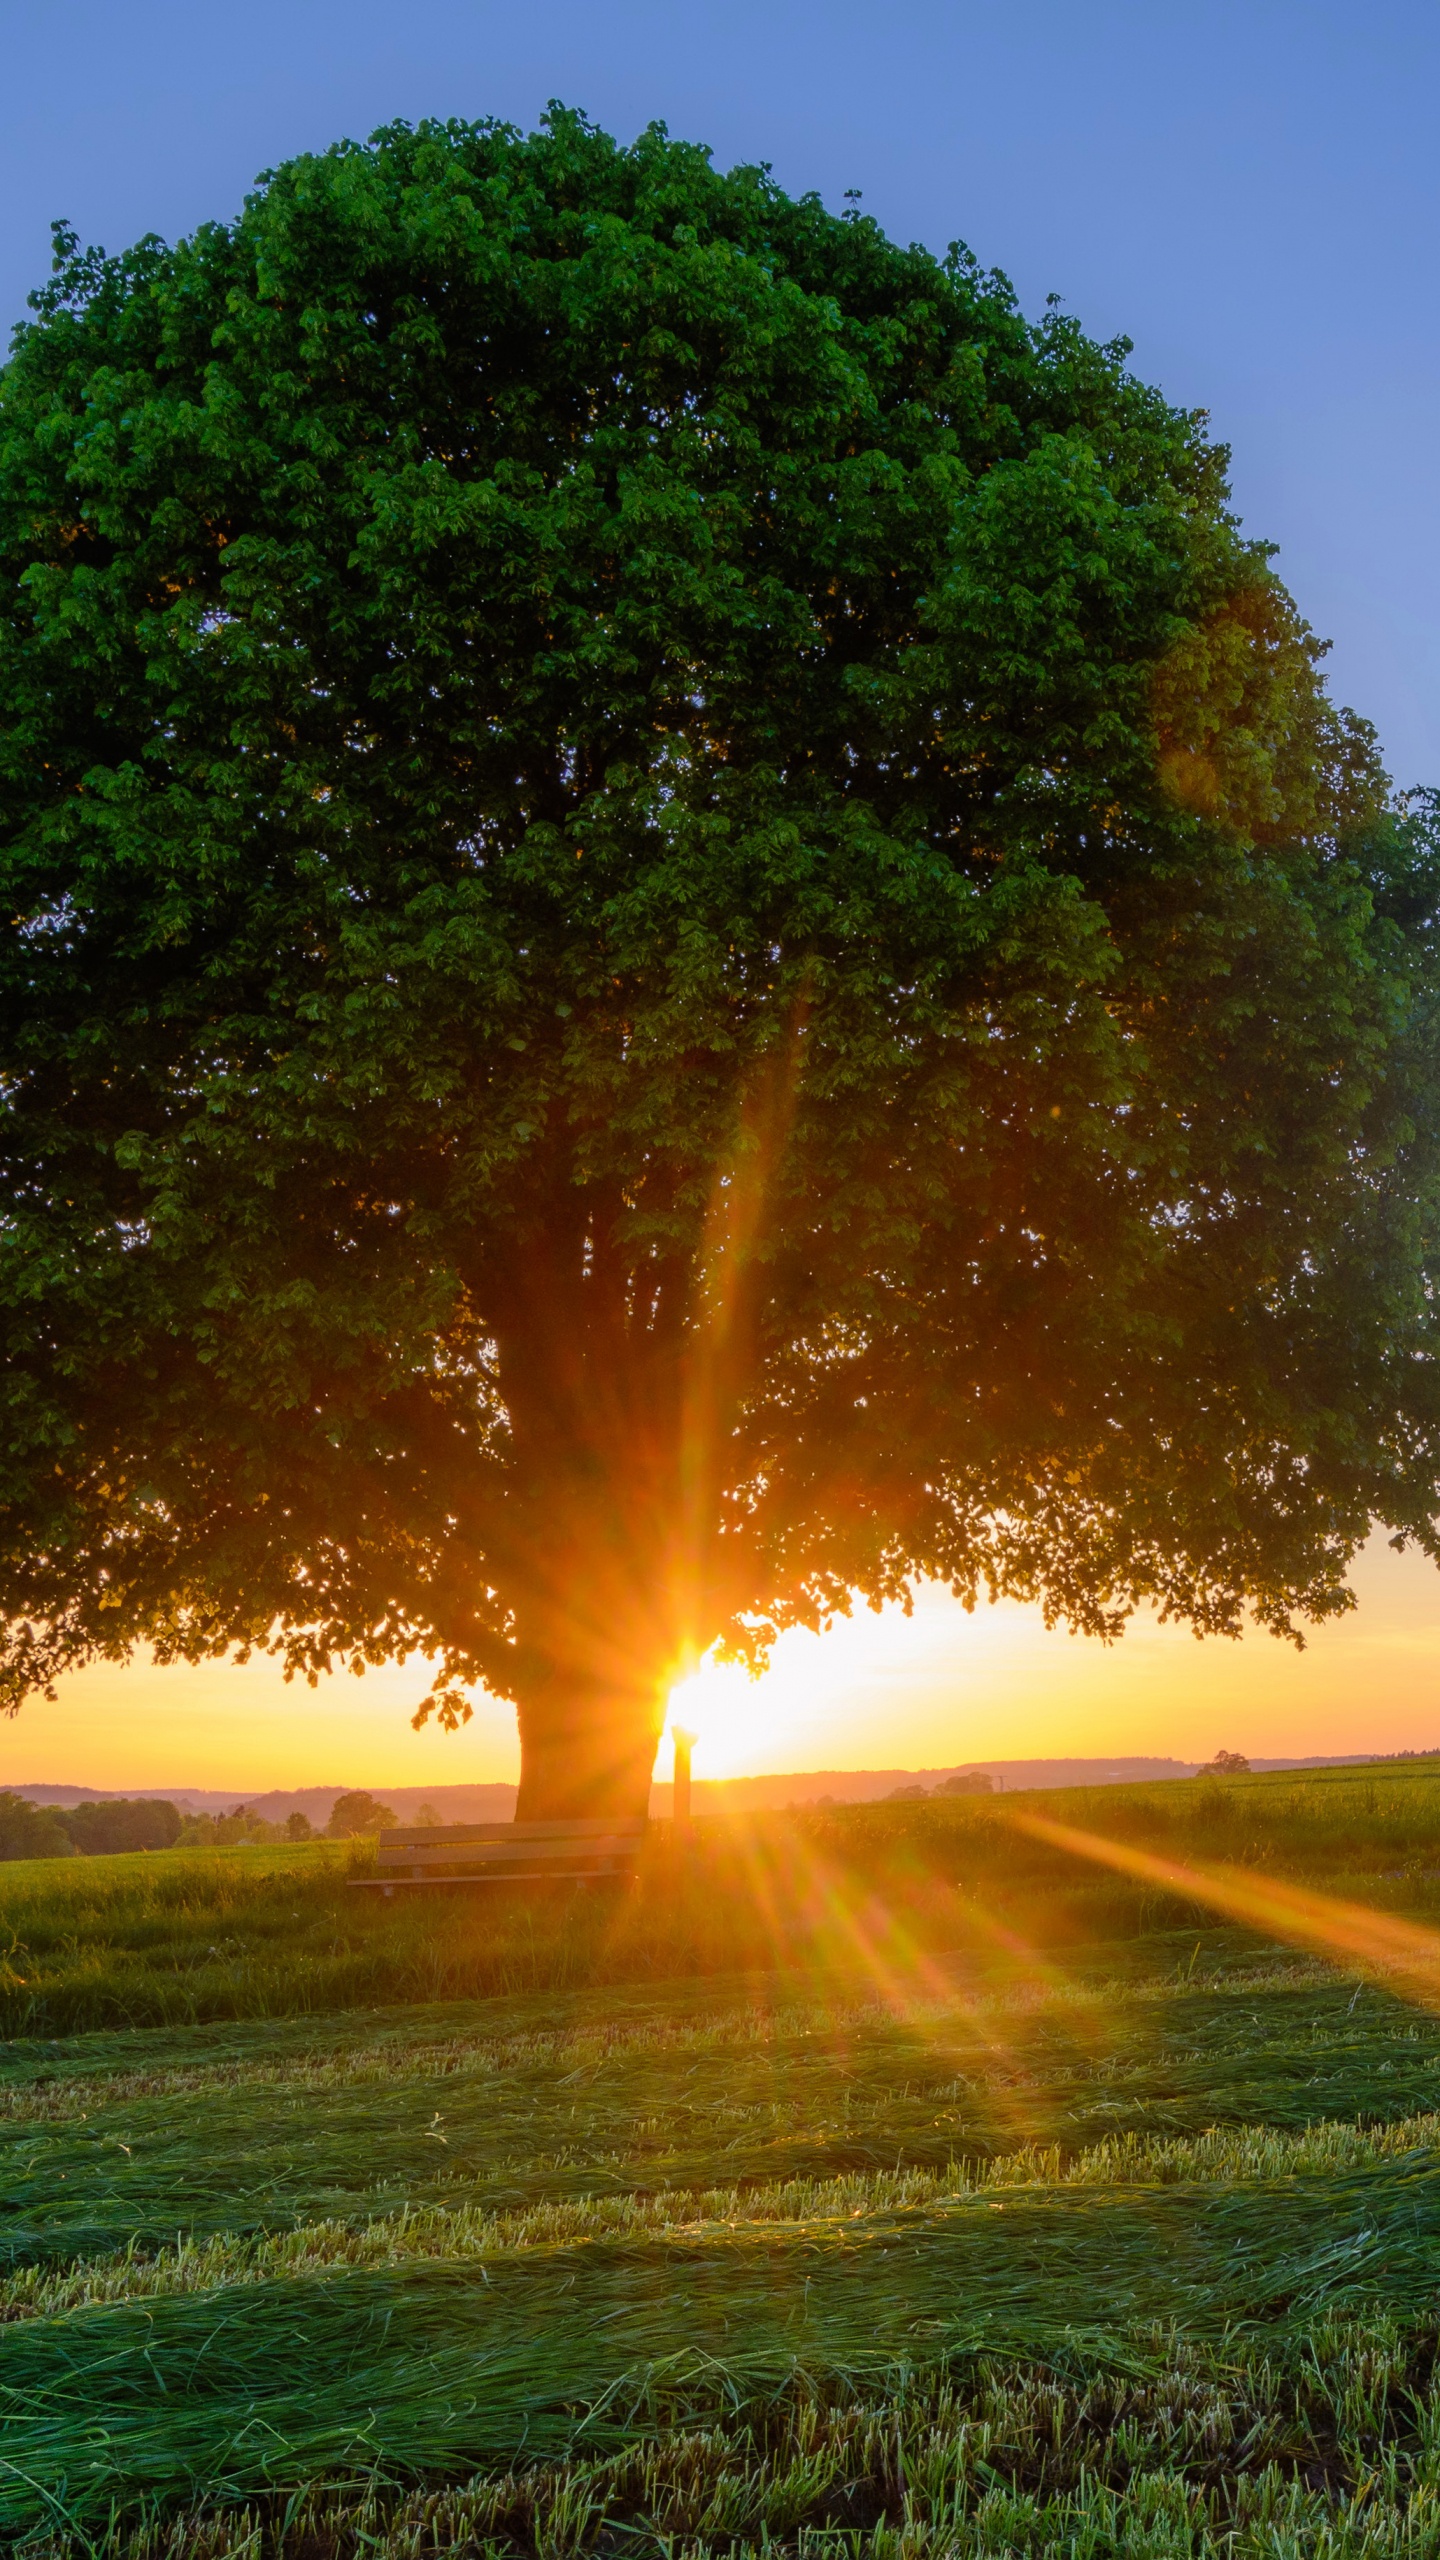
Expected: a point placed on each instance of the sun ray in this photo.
(1400, 1953)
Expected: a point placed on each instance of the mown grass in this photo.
(427, 2363)
(852, 2191)
(1169, 2448)
(257, 2349)
(502, 2105)
(806, 2208)
(1161, 2448)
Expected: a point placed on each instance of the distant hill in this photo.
(495, 1802)
(1010, 1777)
(863, 1786)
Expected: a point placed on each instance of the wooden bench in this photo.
(490, 1853)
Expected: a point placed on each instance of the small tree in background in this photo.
(358, 1813)
(685, 933)
(298, 1826)
(1226, 1764)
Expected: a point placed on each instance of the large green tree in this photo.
(684, 933)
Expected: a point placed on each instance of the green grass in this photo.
(812, 2209)
(1167, 2449)
(185, 1938)
(492, 2106)
(794, 2206)
(436, 2364)
(413, 2242)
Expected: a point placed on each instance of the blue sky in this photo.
(1248, 191)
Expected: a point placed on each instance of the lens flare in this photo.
(855, 1930)
(1400, 1953)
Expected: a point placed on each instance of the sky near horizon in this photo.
(877, 1691)
(1248, 189)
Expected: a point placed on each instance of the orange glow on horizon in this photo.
(885, 1691)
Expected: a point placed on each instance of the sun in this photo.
(733, 1717)
(803, 1710)
(884, 1685)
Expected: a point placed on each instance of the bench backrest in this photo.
(510, 1849)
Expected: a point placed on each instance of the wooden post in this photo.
(680, 1792)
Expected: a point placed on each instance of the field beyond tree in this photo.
(889, 2179)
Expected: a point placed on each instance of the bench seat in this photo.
(490, 1853)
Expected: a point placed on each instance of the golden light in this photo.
(736, 1715)
(834, 1701)
(1401, 1953)
(935, 1690)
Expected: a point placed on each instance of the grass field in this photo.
(190, 1937)
(987, 2200)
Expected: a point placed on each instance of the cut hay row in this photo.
(878, 2095)
(49, 2088)
(1160, 2449)
(1245, 2155)
(55, 2096)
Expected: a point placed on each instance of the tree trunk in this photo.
(613, 1429)
(587, 1753)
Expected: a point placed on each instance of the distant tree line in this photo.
(53, 1831)
(972, 1782)
(101, 1828)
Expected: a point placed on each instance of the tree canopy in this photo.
(685, 933)
(354, 1814)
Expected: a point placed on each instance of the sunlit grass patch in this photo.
(695, 2087)
(50, 2081)
(1231, 2155)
